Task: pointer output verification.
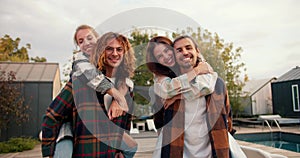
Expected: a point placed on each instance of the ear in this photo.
(198, 50)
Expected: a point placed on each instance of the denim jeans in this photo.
(64, 148)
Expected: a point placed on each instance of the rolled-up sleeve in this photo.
(202, 86)
(94, 77)
(168, 88)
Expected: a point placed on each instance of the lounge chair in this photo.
(133, 130)
(151, 125)
(258, 153)
(278, 120)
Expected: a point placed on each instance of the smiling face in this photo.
(86, 40)
(164, 55)
(114, 53)
(186, 54)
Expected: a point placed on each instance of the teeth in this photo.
(186, 59)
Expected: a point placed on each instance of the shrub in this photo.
(17, 145)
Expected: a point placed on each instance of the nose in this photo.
(184, 51)
(114, 52)
(166, 55)
(86, 42)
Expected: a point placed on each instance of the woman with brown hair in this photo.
(171, 88)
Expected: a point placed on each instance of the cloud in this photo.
(266, 30)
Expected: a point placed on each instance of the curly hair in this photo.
(127, 67)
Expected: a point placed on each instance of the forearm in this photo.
(169, 87)
(93, 77)
(50, 128)
(166, 87)
(203, 85)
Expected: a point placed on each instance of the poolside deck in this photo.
(147, 141)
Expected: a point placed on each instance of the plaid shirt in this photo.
(218, 118)
(170, 87)
(87, 143)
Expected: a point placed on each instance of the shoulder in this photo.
(220, 86)
(129, 83)
(80, 56)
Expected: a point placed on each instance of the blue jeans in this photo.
(64, 148)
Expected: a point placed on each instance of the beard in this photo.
(186, 66)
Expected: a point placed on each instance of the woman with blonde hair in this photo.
(114, 57)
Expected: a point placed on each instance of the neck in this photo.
(110, 72)
(185, 70)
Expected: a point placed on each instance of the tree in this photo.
(38, 59)
(10, 51)
(12, 107)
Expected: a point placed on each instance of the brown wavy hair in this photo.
(127, 67)
(153, 65)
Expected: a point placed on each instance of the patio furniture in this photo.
(133, 130)
(278, 120)
(150, 124)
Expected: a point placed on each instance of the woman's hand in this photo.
(203, 68)
(119, 98)
(115, 110)
(170, 101)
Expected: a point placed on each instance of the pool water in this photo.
(281, 145)
(281, 140)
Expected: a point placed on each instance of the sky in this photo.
(267, 31)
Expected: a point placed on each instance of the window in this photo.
(295, 97)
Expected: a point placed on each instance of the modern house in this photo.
(257, 98)
(40, 84)
(285, 92)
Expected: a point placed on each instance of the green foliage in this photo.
(142, 76)
(12, 108)
(10, 51)
(38, 59)
(18, 145)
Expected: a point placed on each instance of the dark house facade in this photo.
(40, 84)
(285, 94)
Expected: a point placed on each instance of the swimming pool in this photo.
(281, 140)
